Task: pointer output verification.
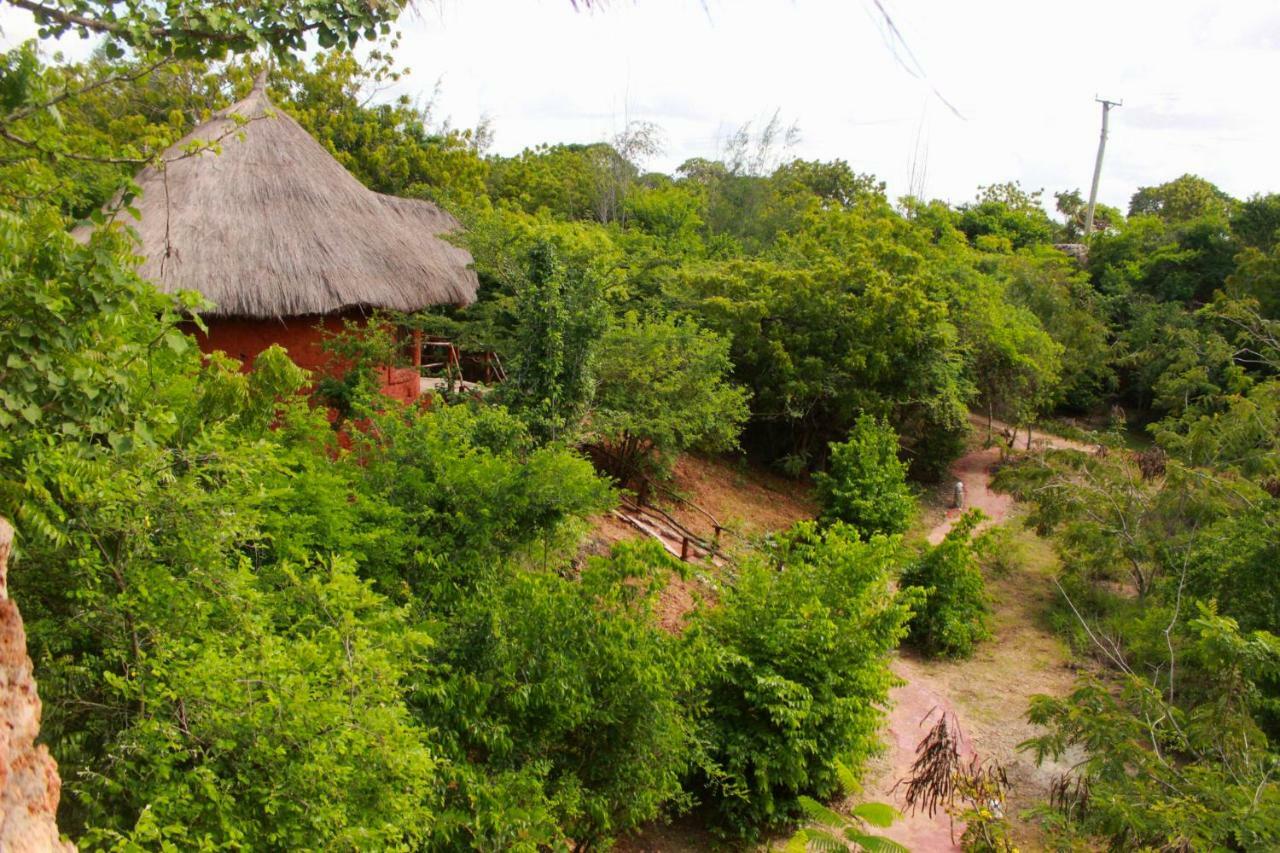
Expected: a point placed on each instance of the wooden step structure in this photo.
(675, 538)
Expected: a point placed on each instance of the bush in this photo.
(865, 485)
(459, 490)
(663, 388)
(572, 687)
(954, 616)
(1196, 775)
(794, 671)
(275, 722)
(1004, 551)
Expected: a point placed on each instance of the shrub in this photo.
(1004, 551)
(793, 672)
(1195, 775)
(865, 485)
(462, 488)
(572, 686)
(355, 357)
(954, 615)
(832, 830)
(663, 388)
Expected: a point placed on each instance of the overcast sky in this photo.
(1198, 80)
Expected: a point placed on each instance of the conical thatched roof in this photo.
(273, 226)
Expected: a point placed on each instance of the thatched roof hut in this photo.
(274, 227)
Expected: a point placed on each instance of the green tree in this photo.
(1006, 215)
(1074, 208)
(1161, 771)
(1053, 288)
(672, 213)
(211, 30)
(662, 388)
(312, 659)
(1257, 277)
(833, 183)
(561, 320)
(1184, 261)
(818, 346)
(453, 495)
(178, 653)
(572, 684)
(1169, 361)
(1182, 200)
(1015, 363)
(587, 182)
(1231, 563)
(1256, 222)
(116, 118)
(865, 483)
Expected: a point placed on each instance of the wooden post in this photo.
(684, 549)
(1097, 168)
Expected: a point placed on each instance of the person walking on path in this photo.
(959, 495)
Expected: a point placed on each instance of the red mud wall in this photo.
(243, 338)
(29, 783)
(302, 337)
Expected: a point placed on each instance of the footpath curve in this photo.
(986, 694)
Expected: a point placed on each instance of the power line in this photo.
(893, 38)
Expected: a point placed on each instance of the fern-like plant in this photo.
(832, 831)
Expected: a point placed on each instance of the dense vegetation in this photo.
(249, 635)
(952, 619)
(865, 484)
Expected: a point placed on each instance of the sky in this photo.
(969, 93)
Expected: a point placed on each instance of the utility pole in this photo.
(1097, 166)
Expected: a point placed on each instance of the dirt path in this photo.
(974, 470)
(989, 692)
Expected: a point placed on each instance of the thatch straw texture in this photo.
(273, 226)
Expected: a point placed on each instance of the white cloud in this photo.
(1196, 76)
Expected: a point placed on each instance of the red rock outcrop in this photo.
(29, 783)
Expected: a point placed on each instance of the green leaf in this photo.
(876, 843)
(177, 341)
(797, 843)
(818, 812)
(876, 814)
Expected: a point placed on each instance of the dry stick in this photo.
(931, 783)
(1177, 606)
(168, 248)
(1119, 662)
